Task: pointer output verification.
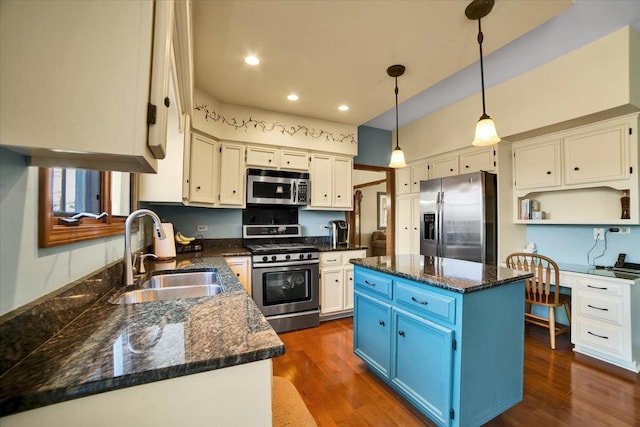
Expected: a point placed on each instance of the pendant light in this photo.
(486, 133)
(397, 156)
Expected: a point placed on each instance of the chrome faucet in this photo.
(128, 264)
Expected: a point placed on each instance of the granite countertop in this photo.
(329, 248)
(602, 272)
(447, 273)
(109, 346)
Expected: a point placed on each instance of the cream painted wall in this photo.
(593, 79)
(26, 271)
(316, 139)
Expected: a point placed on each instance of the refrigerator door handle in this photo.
(439, 223)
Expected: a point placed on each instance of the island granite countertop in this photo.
(109, 347)
(446, 273)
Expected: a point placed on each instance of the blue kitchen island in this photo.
(447, 334)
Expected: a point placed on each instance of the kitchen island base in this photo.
(235, 396)
(458, 357)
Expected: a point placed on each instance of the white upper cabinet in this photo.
(599, 153)
(295, 160)
(262, 156)
(537, 164)
(444, 166)
(403, 181)
(76, 78)
(203, 171)
(476, 160)
(418, 173)
(231, 174)
(331, 186)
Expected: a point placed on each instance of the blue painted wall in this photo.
(571, 243)
(374, 146)
(227, 223)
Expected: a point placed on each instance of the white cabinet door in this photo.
(241, 266)
(597, 154)
(418, 173)
(403, 181)
(537, 165)
(348, 288)
(444, 167)
(342, 188)
(403, 224)
(262, 156)
(202, 176)
(296, 160)
(415, 223)
(478, 160)
(331, 290)
(87, 93)
(321, 180)
(231, 174)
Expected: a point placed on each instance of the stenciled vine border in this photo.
(274, 126)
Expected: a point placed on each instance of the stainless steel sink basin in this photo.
(168, 294)
(187, 278)
(173, 286)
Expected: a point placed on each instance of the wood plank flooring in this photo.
(561, 388)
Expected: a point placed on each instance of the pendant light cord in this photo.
(480, 39)
(397, 127)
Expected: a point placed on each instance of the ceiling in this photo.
(336, 52)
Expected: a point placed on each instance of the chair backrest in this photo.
(545, 274)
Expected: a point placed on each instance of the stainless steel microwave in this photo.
(271, 187)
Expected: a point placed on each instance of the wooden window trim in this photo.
(50, 233)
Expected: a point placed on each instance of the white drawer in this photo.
(599, 286)
(349, 255)
(600, 336)
(598, 306)
(330, 258)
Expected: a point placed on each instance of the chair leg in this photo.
(552, 327)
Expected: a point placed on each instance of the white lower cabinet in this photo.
(336, 283)
(605, 320)
(241, 266)
(408, 224)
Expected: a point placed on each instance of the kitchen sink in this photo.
(173, 286)
(168, 293)
(187, 278)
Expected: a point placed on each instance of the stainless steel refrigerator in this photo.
(458, 217)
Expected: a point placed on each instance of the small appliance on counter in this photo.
(339, 233)
(165, 248)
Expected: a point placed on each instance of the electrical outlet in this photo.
(624, 230)
(598, 234)
(202, 228)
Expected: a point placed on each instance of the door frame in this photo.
(391, 191)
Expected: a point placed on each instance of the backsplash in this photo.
(227, 223)
(571, 243)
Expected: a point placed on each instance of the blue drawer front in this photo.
(376, 284)
(425, 302)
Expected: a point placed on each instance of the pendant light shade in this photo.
(486, 133)
(397, 156)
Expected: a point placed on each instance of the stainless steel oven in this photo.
(285, 280)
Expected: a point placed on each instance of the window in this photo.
(77, 204)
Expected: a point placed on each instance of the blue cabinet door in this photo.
(372, 332)
(423, 364)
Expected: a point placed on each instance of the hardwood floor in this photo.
(561, 388)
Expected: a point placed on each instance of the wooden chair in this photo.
(538, 290)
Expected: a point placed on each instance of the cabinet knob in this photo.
(167, 102)
(269, 160)
(325, 195)
(336, 280)
(548, 172)
(288, 162)
(198, 187)
(338, 196)
(234, 191)
(237, 274)
(406, 184)
(401, 333)
(450, 170)
(466, 166)
(576, 168)
(381, 323)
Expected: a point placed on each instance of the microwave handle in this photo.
(293, 192)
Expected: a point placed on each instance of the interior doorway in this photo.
(373, 215)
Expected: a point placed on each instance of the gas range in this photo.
(278, 244)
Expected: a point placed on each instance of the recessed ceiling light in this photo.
(252, 60)
(292, 97)
(343, 107)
